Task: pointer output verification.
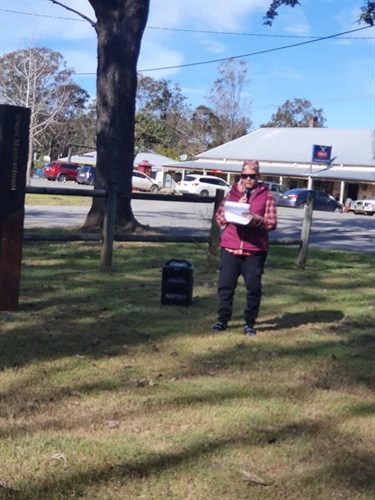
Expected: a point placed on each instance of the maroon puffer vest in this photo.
(237, 236)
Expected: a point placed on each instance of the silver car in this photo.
(276, 189)
(143, 182)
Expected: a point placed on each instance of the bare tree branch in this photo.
(76, 12)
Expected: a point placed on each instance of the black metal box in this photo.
(177, 283)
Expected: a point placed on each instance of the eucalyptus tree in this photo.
(296, 113)
(228, 101)
(161, 115)
(37, 78)
(119, 26)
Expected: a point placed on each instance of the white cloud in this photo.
(156, 55)
(203, 14)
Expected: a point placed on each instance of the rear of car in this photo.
(60, 171)
(293, 198)
(86, 175)
(202, 185)
(276, 189)
(366, 207)
(297, 198)
(142, 182)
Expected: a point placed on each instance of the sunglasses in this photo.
(249, 176)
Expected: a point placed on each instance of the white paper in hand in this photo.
(234, 211)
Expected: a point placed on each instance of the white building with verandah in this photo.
(285, 157)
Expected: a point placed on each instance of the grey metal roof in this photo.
(90, 159)
(283, 170)
(354, 147)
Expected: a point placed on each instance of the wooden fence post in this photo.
(214, 239)
(108, 228)
(305, 233)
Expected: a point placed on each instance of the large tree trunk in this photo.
(120, 26)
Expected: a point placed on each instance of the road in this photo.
(346, 232)
(355, 233)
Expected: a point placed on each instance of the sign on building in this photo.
(321, 154)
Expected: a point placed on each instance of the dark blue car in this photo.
(86, 175)
(298, 197)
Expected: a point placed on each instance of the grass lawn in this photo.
(57, 200)
(106, 394)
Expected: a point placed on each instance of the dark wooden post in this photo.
(305, 233)
(14, 145)
(214, 240)
(108, 229)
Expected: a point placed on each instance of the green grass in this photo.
(57, 200)
(106, 394)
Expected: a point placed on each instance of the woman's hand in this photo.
(255, 220)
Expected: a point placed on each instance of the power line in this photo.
(211, 32)
(247, 55)
(257, 53)
(266, 51)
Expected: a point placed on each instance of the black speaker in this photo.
(177, 283)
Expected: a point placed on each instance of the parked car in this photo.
(86, 175)
(143, 182)
(60, 171)
(366, 206)
(298, 197)
(202, 185)
(276, 189)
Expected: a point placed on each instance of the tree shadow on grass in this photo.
(292, 320)
(341, 465)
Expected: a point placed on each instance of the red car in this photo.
(60, 171)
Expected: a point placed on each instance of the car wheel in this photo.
(369, 213)
(337, 210)
(154, 189)
(204, 193)
(61, 178)
(303, 206)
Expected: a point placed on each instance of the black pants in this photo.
(231, 267)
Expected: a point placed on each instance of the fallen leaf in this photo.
(112, 424)
(59, 456)
(254, 478)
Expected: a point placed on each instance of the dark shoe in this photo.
(219, 327)
(249, 331)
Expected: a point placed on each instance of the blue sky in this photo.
(337, 75)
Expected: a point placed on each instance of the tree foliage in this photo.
(161, 114)
(367, 15)
(159, 98)
(203, 131)
(296, 113)
(150, 132)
